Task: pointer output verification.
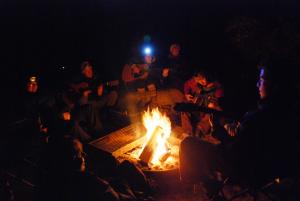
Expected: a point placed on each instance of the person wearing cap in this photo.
(89, 89)
(94, 102)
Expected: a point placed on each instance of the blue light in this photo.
(147, 50)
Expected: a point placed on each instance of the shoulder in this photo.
(214, 84)
(190, 82)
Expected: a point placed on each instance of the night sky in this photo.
(39, 37)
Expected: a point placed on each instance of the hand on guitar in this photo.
(189, 98)
(232, 128)
(100, 90)
(134, 72)
(196, 99)
(86, 93)
(165, 72)
(135, 69)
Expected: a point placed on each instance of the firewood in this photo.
(149, 149)
(165, 156)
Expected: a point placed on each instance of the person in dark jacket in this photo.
(265, 140)
(92, 104)
(64, 176)
(175, 69)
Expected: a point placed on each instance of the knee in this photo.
(112, 98)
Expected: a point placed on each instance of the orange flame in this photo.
(152, 119)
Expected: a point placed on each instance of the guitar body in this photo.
(129, 76)
(206, 96)
(76, 90)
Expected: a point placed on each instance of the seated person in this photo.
(265, 140)
(137, 75)
(41, 107)
(88, 88)
(174, 70)
(93, 105)
(142, 81)
(64, 170)
(66, 173)
(203, 92)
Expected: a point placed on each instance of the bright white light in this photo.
(147, 50)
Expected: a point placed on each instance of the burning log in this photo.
(147, 154)
(165, 156)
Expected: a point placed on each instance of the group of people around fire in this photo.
(82, 110)
(86, 101)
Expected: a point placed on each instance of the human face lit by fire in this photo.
(148, 59)
(175, 51)
(88, 72)
(32, 85)
(263, 85)
(200, 79)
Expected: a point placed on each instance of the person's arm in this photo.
(219, 90)
(190, 87)
(187, 91)
(143, 76)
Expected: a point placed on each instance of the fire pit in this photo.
(152, 145)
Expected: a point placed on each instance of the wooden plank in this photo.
(148, 151)
(129, 147)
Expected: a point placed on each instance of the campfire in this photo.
(156, 151)
(153, 145)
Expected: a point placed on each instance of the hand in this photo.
(198, 91)
(214, 106)
(100, 90)
(211, 105)
(86, 93)
(43, 129)
(232, 128)
(66, 116)
(189, 97)
(165, 72)
(136, 70)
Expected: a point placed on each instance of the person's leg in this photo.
(80, 115)
(112, 98)
(186, 122)
(87, 123)
(94, 120)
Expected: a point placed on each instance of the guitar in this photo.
(206, 96)
(133, 72)
(83, 89)
(82, 86)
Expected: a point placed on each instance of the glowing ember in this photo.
(151, 120)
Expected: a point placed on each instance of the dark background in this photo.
(226, 37)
